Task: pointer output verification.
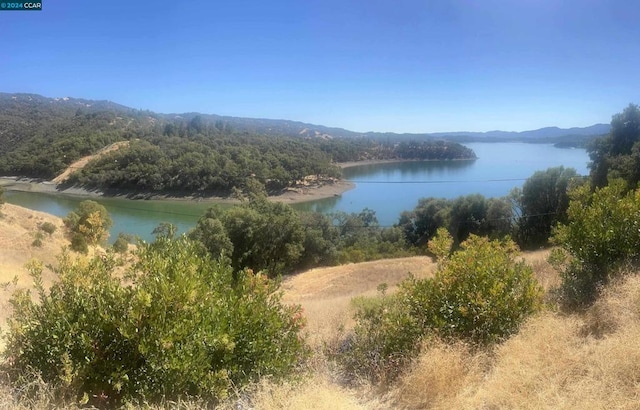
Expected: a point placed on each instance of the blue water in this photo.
(387, 188)
(392, 188)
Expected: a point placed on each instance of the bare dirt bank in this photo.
(290, 196)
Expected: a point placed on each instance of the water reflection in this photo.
(403, 170)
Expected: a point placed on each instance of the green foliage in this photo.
(382, 343)
(192, 154)
(602, 232)
(618, 154)
(79, 243)
(442, 244)
(273, 237)
(48, 227)
(480, 294)
(2, 199)
(265, 235)
(165, 230)
(528, 214)
(465, 215)
(211, 232)
(180, 325)
(420, 225)
(432, 150)
(362, 239)
(37, 242)
(321, 241)
(91, 221)
(257, 234)
(543, 202)
(121, 244)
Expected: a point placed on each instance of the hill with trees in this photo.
(190, 154)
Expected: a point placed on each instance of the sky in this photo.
(374, 65)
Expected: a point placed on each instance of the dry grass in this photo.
(325, 293)
(554, 362)
(589, 360)
(18, 227)
(546, 275)
(317, 392)
(441, 373)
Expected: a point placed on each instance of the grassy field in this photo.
(586, 360)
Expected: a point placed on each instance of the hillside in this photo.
(176, 155)
(18, 229)
(583, 360)
(587, 360)
(25, 105)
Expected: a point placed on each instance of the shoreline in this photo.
(353, 164)
(292, 195)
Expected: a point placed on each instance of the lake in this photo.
(388, 188)
(392, 188)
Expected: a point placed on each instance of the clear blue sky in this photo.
(402, 65)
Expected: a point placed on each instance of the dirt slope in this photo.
(18, 229)
(82, 162)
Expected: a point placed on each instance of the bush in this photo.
(602, 234)
(91, 220)
(37, 242)
(480, 294)
(181, 326)
(79, 243)
(48, 227)
(121, 244)
(543, 202)
(383, 341)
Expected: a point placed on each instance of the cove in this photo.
(391, 188)
(388, 188)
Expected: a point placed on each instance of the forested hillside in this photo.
(183, 154)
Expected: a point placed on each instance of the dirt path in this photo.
(82, 162)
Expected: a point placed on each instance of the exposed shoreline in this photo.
(290, 196)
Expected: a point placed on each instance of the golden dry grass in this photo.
(325, 293)
(554, 362)
(589, 360)
(18, 227)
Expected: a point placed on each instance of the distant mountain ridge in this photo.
(300, 129)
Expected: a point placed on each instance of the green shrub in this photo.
(480, 294)
(181, 326)
(121, 244)
(90, 220)
(37, 242)
(602, 234)
(383, 341)
(79, 243)
(48, 227)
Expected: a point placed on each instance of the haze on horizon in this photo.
(404, 66)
